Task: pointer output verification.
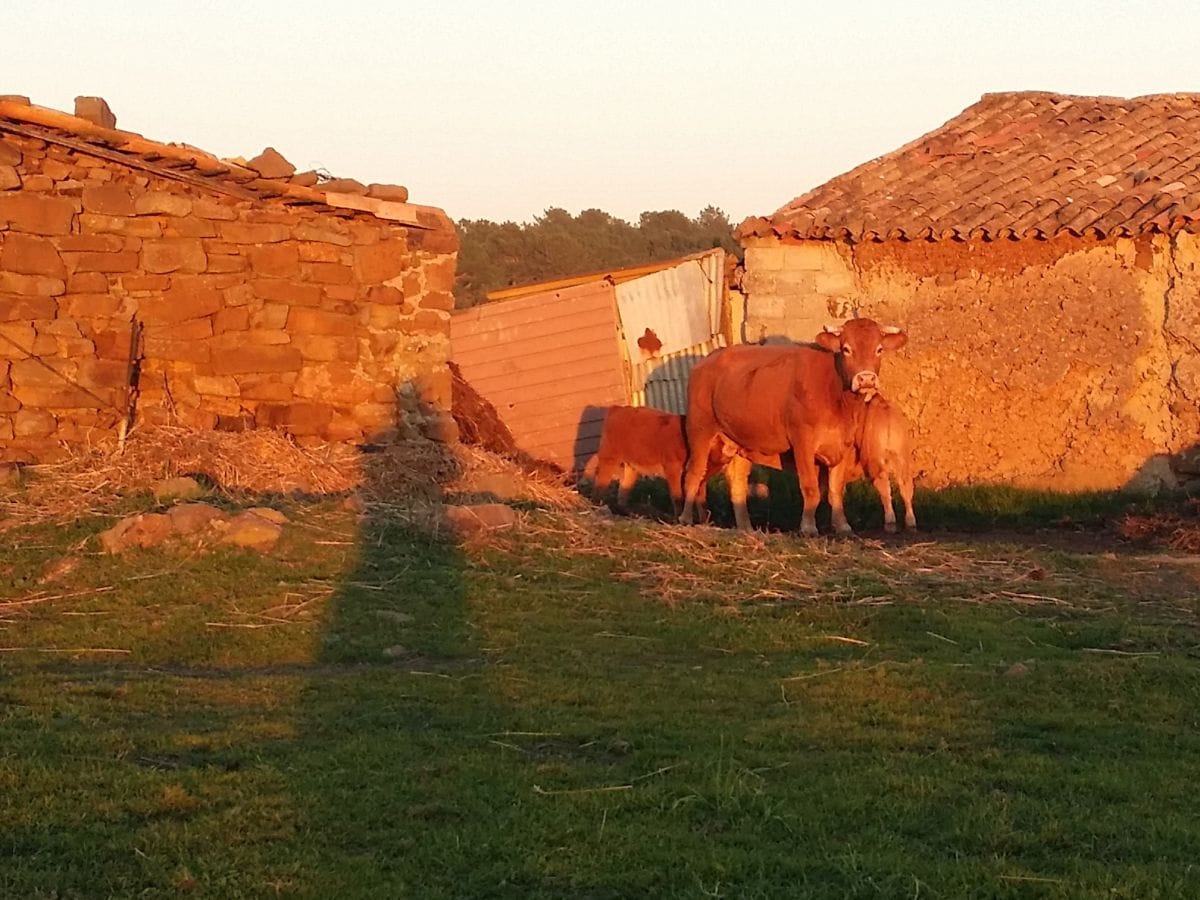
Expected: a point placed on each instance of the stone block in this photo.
(271, 316)
(231, 319)
(108, 200)
(377, 263)
(162, 203)
(31, 255)
(10, 152)
(396, 193)
(91, 243)
(25, 308)
(248, 233)
(125, 261)
(178, 351)
(94, 223)
(216, 385)
(304, 320)
(271, 164)
(174, 255)
(220, 264)
(439, 274)
(432, 321)
(10, 179)
(87, 283)
(437, 300)
(343, 186)
(270, 388)
(278, 260)
(36, 214)
(213, 209)
(180, 303)
(16, 340)
(189, 227)
(294, 418)
(189, 330)
(281, 291)
(327, 273)
(31, 286)
(96, 111)
(32, 423)
(254, 360)
(138, 282)
(325, 347)
(331, 233)
(311, 251)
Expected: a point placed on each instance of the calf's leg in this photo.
(883, 484)
(737, 475)
(700, 443)
(628, 479)
(837, 491)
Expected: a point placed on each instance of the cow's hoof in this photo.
(890, 527)
(809, 531)
(911, 526)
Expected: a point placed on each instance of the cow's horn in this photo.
(833, 329)
(892, 329)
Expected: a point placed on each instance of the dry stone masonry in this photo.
(325, 316)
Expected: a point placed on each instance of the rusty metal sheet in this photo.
(662, 383)
(550, 363)
(681, 305)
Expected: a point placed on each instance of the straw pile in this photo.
(407, 474)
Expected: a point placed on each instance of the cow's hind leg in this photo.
(628, 479)
(700, 444)
(606, 471)
(737, 475)
(883, 484)
(905, 480)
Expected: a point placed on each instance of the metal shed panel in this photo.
(550, 363)
(680, 305)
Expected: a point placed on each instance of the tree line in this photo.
(558, 245)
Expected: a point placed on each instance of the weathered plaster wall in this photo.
(1066, 363)
(256, 314)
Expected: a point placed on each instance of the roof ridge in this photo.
(140, 151)
(1018, 163)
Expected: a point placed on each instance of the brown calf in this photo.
(882, 446)
(644, 441)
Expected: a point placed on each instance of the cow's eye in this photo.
(879, 350)
(846, 349)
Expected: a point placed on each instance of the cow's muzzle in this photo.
(866, 383)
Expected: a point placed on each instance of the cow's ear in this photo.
(830, 338)
(894, 338)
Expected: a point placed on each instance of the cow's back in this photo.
(758, 395)
(642, 437)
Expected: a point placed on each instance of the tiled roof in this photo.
(237, 178)
(1024, 164)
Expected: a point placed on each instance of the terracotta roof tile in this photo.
(183, 162)
(1022, 164)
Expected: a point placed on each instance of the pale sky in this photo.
(500, 110)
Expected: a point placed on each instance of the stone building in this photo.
(1042, 252)
(232, 294)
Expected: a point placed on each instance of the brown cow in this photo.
(882, 453)
(767, 400)
(645, 441)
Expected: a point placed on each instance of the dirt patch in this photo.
(1175, 530)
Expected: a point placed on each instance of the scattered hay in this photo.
(408, 478)
(1175, 530)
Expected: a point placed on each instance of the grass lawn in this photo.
(600, 708)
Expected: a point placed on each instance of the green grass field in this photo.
(592, 707)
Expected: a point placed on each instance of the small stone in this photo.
(144, 530)
(95, 110)
(1017, 670)
(468, 520)
(271, 515)
(354, 503)
(343, 186)
(395, 651)
(395, 192)
(499, 485)
(10, 475)
(10, 179)
(271, 164)
(179, 488)
(189, 518)
(59, 569)
(305, 179)
(442, 429)
(401, 618)
(253, 531)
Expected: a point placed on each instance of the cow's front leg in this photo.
(810, 489)
(837, 490)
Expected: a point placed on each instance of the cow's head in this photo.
(859, 345)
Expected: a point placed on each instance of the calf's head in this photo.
(859, 345)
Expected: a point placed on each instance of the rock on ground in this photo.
(468, 520)
(180, 488)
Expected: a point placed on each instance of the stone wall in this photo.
(1066, 363)
(331, 325)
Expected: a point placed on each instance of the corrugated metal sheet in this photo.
(680, 305)
(550, 363)
(662, 383)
